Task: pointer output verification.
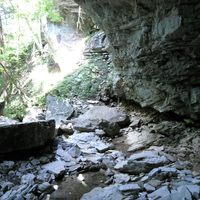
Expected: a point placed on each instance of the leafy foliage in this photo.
(87, 81)
(15, 109)
(22, 22)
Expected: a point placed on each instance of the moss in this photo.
(86, 82)
(15, 109)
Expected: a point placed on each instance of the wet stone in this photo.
(46, 188)
(130, 189)
(6, 166)
(150, 174)
(57, 167)
(27, 179)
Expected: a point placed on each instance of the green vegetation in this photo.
(26, 65)
(87, 81)
(21, 50)
(15, 109)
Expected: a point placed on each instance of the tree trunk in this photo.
(5, 93)
(6, 73)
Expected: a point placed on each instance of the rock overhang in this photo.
(154, 46)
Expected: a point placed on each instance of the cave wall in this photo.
(155, 48)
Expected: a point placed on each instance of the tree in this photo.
(3, 63)
(21, 28)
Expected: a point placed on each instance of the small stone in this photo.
(31, 196)
(130, 189)
(74, 151)
(102, 147)
(6, 166)
(44, 159)
(155, 183)
(154, 172)
(144, 179)
(64, 155)
(5, 186)
(135, 122)
(161, 192)
(181, 155)
(35, 162)
(46, 188)
(149, 188)
(57, 167)
(28, 179)
(196, 181)
(121, 178)
(44, 177)
(99, 132)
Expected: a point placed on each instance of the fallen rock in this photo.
(46, 188)
(58, 109)
(110, 192)
(135, 122)
(6, 166)
(161, 192)
(57, 167)
(169, 127)
(130, 189)
(25, 135)
(121, 179)
(141, 162)
(67, 128)
(140, 139)
(5, 120)
(96, 44)
(75, 151)
(110, 128)
(103, 117)
(34, 114)
(28, 179)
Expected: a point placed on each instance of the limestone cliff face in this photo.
(155, 45)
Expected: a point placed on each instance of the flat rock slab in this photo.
(25, 135)
(110, 193)
(142, 162)
(56, 167)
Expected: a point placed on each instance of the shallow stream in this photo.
(73, 188)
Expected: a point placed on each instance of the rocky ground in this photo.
(106, 153)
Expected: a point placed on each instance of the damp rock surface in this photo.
(95, 165)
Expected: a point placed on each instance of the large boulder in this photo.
(25, 135)
(103, 117)
(58, 109)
